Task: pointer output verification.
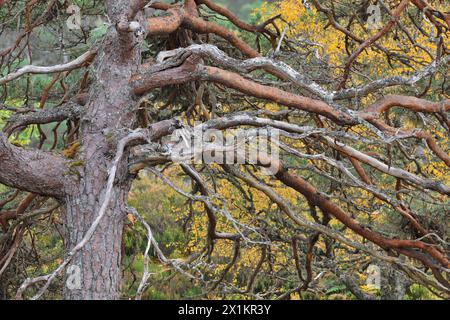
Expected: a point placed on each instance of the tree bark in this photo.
(108, 117)
(98, 263)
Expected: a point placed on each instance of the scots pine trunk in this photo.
(98, 263)
(109, 116)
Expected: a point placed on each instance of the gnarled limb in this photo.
(30, 69)
(327, 206)
(234, 19)
(179, 16)
(410, 103)
(35, 171)
(68, 111)
(166, 24)
(189, 71)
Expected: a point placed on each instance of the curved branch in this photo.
(410, 103)
(166, 24)
(32, 170)
(364, 90)
(431, 13)
(245, 66)
(237, 82)
(77, 63)
(234, 19)
(203, 27)
(327, 206)
(393, 171)
(69, 111)
(394, 17)
(181, 17)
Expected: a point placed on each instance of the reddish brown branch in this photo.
(190, 71)
(234, 19)
(12, 214)
(360, 170)
(431, 13)
(429, 255)
(329, 207)
(237, 82)
(187, 18)
(166, 24)
(201, 26)
(410, 103)
(394, 18)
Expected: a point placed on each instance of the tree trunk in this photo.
(109, 117)
(98, 264)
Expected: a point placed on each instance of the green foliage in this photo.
(98, 32)
(419, 292)
(158, 204)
